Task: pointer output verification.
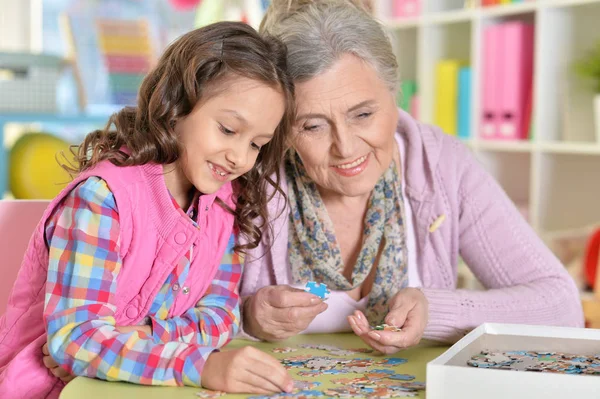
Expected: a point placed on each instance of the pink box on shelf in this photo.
(406, 8)
(517, 77)
(491, 82)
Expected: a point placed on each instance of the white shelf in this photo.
(556, 174)
(570, 148)
(408, 23)
(565, 3)
(503, 146)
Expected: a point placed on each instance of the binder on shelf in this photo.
(517, 77)
(406, 8)
(491, 82)
(446, 97)
(464, 103)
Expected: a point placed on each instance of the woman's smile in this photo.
(352, 168)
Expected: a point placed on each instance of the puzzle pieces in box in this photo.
(550, 362)
(318, 289)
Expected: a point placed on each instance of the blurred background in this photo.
(517, 81)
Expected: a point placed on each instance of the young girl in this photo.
(132, 273)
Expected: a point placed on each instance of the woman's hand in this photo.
(61, 373)
(408, 310)
(278, 312)
(245, 370)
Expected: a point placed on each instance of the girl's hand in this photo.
(408, 310)
(54, 368)
(61, 373)
(278, 312)
(245, 370)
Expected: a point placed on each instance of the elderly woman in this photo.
(378, 202)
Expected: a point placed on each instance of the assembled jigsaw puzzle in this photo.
(545, 362)
(318, 289)
(354, 377)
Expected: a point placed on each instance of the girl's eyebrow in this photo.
(236, 115)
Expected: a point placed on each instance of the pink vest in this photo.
(154, 236)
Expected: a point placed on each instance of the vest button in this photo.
(131, 312)
(180, 238)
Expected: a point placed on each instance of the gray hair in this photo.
(318, 33)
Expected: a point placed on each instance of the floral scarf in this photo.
(315, 254)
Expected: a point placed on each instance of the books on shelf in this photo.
(453, 98)
(464, 102)
(446, 95)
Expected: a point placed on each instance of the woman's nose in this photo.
(343, 141)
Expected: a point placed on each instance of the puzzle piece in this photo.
(297, 395)
(392, 361)
(285, 349)
(318, 289)
(300, 385)
(325, 363)
(207, 394)
(336, 351)
(316, 373)
(320, 347)
(386, 327)
(349, 352)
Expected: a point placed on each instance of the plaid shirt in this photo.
(84, 263)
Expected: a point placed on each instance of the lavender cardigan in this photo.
(525, 282)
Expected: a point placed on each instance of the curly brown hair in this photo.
(190, 68)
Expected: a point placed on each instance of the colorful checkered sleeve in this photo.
(215, 319)
(83, 236)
